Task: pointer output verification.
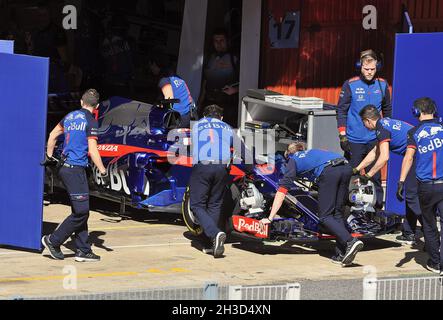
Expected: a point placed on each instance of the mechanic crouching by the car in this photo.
(425, 142)
(212, 140)
(392, 135)
(332, 173)
(81, 135)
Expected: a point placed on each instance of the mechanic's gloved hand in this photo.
(49, 161)
(355, 171)
(400, 191)
(265, 221)
(106, 181)
(364, 179)
(344, 144)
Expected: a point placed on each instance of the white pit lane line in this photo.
(64, 250)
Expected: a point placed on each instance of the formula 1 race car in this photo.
(134, 146)
(249, 200)
(140, 143)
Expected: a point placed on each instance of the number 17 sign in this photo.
(285, 34)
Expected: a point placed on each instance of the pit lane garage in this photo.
(131, 167)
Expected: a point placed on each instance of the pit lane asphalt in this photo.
(144, 250)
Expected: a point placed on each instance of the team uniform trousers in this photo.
(76, 184)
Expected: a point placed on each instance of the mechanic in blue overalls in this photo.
(81, 134)
(425, 142)
(174, 87)
(392, 135)
(358, 92)
(332, 173)
(212, 140)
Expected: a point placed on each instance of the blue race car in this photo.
(140, 143)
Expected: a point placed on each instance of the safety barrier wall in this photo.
(418, 288)
(210, 291)
(424, 288)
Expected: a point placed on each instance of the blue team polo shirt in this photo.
(78, 126)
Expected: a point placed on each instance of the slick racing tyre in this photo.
(231, 205)
(188, 216)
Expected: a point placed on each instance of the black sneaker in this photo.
(208, 251)
(408, 239)
(55, 252)
(433, 267)
(218, 244)
(352, 248)
(337, 259)
(86, 257)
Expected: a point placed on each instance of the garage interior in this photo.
(114, 41)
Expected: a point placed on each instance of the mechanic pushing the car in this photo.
(174, 87)
(212, 140)
(392, 135)
(355, 140)
(425, 142)
(81, 135)
(332, 173)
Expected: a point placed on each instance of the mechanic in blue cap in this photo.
(81, 134)
(212, 140)
(174, 87)
(358, 92)
(332, 173)
(392, 135)
(425, 142)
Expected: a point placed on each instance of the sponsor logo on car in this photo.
(108, 147)
(118, 178)
(252, 226)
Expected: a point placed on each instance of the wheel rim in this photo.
(191, 214)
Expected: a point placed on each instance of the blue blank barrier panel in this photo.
(23, 92)
(6, 46)
(417, 73)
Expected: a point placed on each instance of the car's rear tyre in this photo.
(188, 216)
(231, 205)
